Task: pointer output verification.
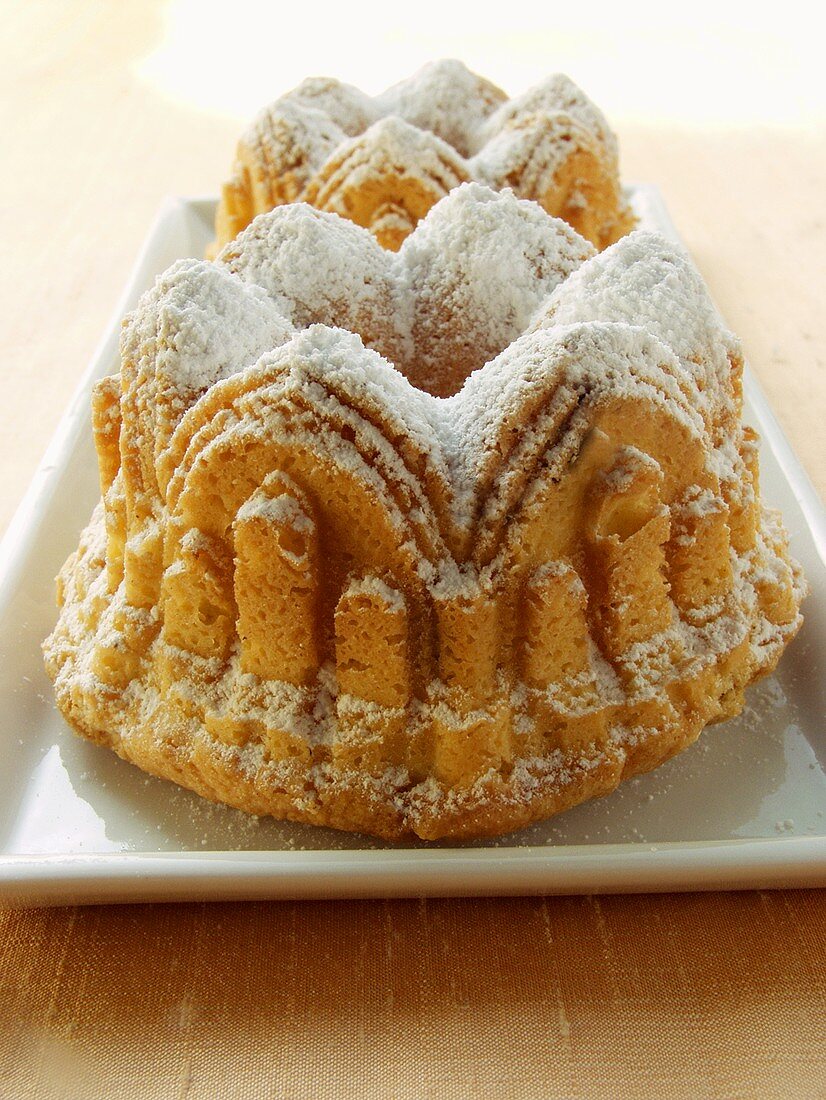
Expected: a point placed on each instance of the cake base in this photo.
(167, 737)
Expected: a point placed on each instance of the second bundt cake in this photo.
(383, 162)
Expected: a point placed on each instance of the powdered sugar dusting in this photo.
(283, 509)
(316, 266)
(347, 107)
(211, 325)
(556, 93)
(476, 270)
(286, 127)
(646, 281)
(376, 589)
(444, 97)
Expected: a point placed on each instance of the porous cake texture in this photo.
(384, 161)
(440, 541)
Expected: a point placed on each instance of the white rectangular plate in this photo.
(744, 807)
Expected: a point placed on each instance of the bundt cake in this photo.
(383, 162)
(446, 599)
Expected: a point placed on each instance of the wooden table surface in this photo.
(718, 995)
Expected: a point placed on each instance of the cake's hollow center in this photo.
(465, 284)
(436, 350)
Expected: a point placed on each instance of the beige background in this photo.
(106, 108)
(96, 131)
